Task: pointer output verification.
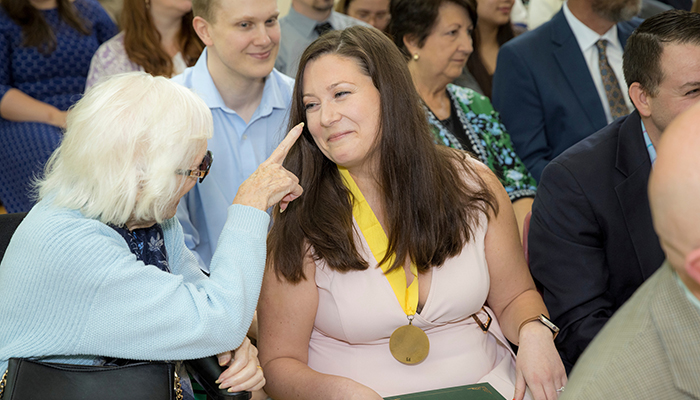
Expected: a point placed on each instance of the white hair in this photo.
(125, 139)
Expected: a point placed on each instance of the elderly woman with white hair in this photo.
(99, 267)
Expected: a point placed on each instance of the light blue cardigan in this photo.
(70, 288)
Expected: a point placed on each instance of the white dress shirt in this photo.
(587, 39)
(298, 33)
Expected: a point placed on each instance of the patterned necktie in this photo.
(320, 29)
(618, 107)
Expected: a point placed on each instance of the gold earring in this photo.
(416, 57)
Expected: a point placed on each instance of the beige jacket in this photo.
(650, 348)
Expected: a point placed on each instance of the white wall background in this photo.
(284, 6)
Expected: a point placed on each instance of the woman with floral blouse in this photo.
(435, 37)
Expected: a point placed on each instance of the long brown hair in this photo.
(36, 31)
(431, 212)
(142, 40)
(476, 65)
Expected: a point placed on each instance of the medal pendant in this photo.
(409, 344)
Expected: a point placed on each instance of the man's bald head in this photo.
(674, 191)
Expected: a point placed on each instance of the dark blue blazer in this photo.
(679, 4)
(545, 93)
(591, 239)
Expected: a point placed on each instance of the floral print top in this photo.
(147, 245)
(490, 142)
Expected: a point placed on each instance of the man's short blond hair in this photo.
(204, 9)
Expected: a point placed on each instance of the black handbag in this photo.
(36, 380)
(206, 371)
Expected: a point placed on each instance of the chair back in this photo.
(8, 225)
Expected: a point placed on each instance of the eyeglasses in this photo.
(202, 171)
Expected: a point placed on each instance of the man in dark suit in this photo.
(549, 83)
(649, 348)
(591, 240)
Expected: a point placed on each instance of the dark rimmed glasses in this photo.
(202, 171)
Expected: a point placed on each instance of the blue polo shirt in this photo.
(238, 148)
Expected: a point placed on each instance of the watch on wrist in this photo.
(545, 321)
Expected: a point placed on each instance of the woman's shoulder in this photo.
(110, 59)
(56, 234)
(51, 218)
(467, 164)
(112, 48)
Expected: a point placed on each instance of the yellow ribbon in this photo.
(378, 242)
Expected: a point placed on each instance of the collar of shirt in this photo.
(587, 37)
(203, 85)
(691, 297)
(306, 25)
(650, 146)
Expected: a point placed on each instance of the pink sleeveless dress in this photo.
(358, 312)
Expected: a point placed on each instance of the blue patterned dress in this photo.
(57, 79)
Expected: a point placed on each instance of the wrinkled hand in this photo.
(538, 364)
(242, 372)
(271, 183)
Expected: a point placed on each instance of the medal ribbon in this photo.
(378, 242)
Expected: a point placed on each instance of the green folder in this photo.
(479, 391)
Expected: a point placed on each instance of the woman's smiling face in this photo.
(343, 109)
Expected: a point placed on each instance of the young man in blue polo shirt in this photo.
(249, 101)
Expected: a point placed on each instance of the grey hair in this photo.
(125, 139)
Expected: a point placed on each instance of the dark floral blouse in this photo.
(147, 245)
(489, 140)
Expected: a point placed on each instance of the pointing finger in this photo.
(281, 151)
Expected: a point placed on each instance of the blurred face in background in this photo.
(616, 10)
(494, 12)
(447, 48)
(373, 12)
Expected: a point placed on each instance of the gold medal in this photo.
(409, 344)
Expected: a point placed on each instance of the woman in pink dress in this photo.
(380, 273)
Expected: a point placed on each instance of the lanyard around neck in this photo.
(378, 242)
